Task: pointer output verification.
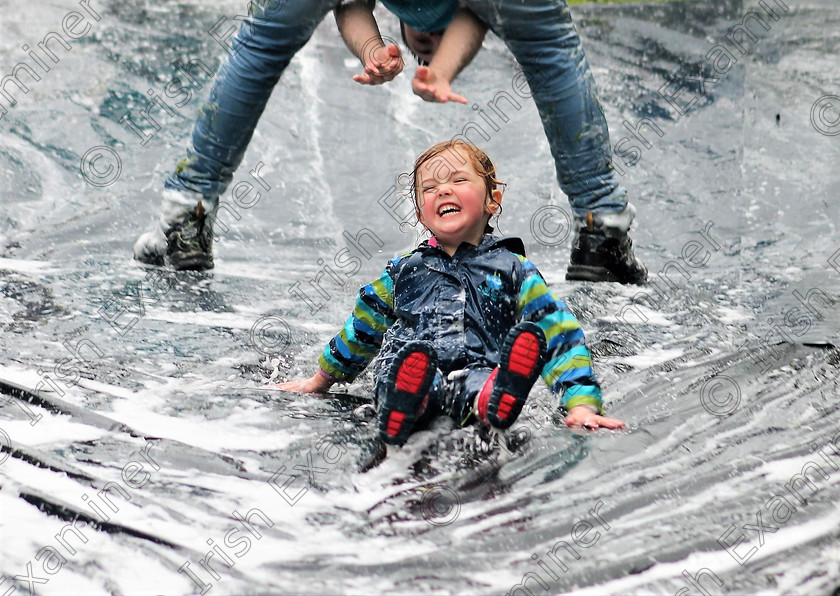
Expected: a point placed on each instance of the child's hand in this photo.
(431, 87)
(382, 64)
(318, 383)
(584, 416)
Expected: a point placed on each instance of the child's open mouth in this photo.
(448, 209)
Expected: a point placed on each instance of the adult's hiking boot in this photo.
(603, 251)
(182, 238)
(501, 399)
(407, 391)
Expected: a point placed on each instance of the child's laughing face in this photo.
(454, 203)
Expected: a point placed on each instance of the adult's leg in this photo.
(543, 39)
(260, 52)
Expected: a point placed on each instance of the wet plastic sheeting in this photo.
(133, 400)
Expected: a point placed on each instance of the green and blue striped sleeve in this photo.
(568, 368)
(351, 350)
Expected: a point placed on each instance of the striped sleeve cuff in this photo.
(583, 395)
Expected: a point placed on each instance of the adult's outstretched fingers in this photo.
(426, 92)
(458, 98)
(369, 78)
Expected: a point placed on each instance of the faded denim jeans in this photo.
(539, 33)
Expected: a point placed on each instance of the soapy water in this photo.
(143, 452)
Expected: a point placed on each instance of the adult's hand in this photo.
(434, 88)
(381, 65)
(585, 417)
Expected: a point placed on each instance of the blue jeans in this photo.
(539, 33)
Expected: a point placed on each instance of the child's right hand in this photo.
(381, 65)
(318, 383)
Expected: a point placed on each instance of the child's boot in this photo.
(406, 391)
(182, 237)
(505, 392)
(602, 249)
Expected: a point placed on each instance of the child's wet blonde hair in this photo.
(478, 159)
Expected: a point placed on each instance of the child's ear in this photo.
(494, 201)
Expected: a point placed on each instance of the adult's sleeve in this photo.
(568, 368)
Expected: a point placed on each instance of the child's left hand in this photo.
(381, 65)
(585, 417)
(317, 383)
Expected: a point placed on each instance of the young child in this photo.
(464, 324)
